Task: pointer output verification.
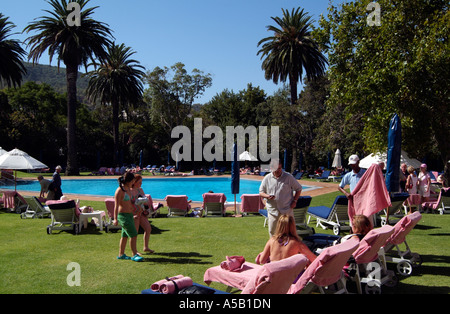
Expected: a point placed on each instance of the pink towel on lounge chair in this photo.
(171, 286)
(213, 198)
(370, 194)
(326, 269)
(77, 209)
(403, 227)
(177, 201)
(251, 203)
(369, 246)
(276, 277)
(8, 199)
(233, 263)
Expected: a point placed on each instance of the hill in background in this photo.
(56, 78)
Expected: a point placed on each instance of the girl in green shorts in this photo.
(123, 214)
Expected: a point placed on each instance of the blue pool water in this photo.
(157, 188)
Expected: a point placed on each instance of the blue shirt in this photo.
(352, 179)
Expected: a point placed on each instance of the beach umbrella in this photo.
(2, 151)
(235, 175)
(19, 160)
(393, 154)
(337, 161)
(382, 157)
(247, 156)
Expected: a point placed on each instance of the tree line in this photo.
(372, 72)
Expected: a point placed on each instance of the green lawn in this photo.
(34, 262)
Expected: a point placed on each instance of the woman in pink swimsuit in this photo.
(424, 182)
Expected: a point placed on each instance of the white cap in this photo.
(353, 159)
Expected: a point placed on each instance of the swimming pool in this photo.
(157, 188)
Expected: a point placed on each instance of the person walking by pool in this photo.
(351, 178)
(278, 189)
(123, 214)
(55, 184)
(141, 216)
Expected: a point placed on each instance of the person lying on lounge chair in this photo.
(285, 242)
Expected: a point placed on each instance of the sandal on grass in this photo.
(123, 256)
(137, 258)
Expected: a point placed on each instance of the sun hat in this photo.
(423, 165)
(353, 159)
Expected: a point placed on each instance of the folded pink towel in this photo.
(156, 286)
(233, 263)
(171, 286)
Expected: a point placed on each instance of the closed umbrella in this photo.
(235, 175)
(19, 160)
(337, 161)
(393, 154)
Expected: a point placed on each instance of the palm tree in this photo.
(117, 81)
(11, 54)
(290, 50)
(287, 53)
(74, 46)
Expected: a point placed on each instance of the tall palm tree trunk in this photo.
(72, 162)
(294, 145)
(115, 109)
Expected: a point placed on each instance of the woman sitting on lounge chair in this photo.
(285, 242)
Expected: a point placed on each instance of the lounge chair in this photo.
(442, 204)
(214, 204)
(326, 270)
(64, 216)
(251, 203)
(335, 216)
(271, 278)
(155, 206)
(391, 252)
(14, 201)
(109, 226)
(300, 211)
(178, 205)
(298, 175)
(395, 210)
(35, 209)
(369, 268)
(324, 176)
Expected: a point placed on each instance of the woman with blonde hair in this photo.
(285, 242)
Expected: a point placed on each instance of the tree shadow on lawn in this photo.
(177, 258)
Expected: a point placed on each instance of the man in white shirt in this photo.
(278, 187)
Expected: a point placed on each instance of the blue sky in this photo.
(217, 37)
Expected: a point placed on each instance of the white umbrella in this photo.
(382, 157)
(247, 156)
(19, 160)
(337, 161)
(2, 151)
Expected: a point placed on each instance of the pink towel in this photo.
(213, 198)
(156, 286)
(170, 286)
(251, 203)
(8, 199)
(177, 201)
(233, 263)
(276, 277)
(370, 194)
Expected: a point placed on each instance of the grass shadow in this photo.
(177, 258)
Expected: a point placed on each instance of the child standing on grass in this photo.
(123, 214)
